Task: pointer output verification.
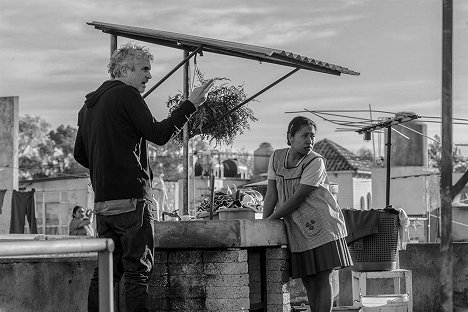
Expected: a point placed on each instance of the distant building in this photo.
(350, 172)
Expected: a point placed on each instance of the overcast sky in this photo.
(50, 58)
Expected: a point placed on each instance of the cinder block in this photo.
(160, 256)
(158, 292)
(278, 298)
(277, 265)
(278, 308)
(217, 292)
(159, 304)
(159, 280)
(277, 276)
(227, 280)
(192, 304)
(218, 305)
(188, 292)
(226, 268)
(159, 269)
(232, 255)
(277, 288)
(187, 280)
(277, 253)
(186, 269)
(188, 256)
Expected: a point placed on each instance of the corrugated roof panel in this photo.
(184, 41)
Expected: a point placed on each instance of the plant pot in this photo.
(236, 213)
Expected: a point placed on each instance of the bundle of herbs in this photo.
(221, 99)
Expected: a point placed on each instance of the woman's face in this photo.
(303, 140)
(79, 213)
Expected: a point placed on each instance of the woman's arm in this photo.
(271, 198)
(293, 202)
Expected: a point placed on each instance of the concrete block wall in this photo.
(200, 280)
(277, 279)
(219, 280)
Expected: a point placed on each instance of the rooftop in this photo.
(339, 158)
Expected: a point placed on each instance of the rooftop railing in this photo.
(104, 248)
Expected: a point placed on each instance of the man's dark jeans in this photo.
(132, 233)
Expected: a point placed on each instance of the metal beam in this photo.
(185, 160)
(184, 61)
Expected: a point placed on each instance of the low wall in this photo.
(45, 284)
(61, 283)
(424, 262)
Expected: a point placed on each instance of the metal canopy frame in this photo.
(191, 45)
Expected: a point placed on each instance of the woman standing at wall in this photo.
(298, 192)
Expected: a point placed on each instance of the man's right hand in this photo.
(199, 94)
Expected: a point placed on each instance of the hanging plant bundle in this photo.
(220, 100)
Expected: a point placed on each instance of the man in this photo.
(113, 126)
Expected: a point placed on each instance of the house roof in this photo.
(339, 158)
(189, 42)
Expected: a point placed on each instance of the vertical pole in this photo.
(186, 80)
(106, 289)
(389, 148)
(212, 182)
(446, 248)
(113, 43)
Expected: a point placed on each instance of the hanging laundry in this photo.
(23, 204)
(2, 196)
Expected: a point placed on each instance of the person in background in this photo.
(81, 222)
(114, 126)
(298, 192)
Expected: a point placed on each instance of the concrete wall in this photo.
(424, 262)
(415, 189)
(60, 284)
(9, 132)
(45, 284)
(361, 188)
(351, 188)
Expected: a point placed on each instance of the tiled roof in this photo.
(339, 158)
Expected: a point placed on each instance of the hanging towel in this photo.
(2, 196)
(403, 229)
(360, 223)
(23, 204)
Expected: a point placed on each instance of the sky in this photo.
(51, 58)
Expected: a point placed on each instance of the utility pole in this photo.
(446, 248)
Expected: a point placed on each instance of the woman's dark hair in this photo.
(75, 209)
(297, 123)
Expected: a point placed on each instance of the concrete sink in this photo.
(219, 234)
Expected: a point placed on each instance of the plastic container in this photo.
(236, 213)
(377, 252)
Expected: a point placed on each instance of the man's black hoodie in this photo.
(113, 126)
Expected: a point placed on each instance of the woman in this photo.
(80, 225)
(298, 188)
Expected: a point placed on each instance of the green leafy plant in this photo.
(220, 100)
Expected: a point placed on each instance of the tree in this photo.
(434, 150)
(44, 153)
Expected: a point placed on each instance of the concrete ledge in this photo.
(219, 234)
